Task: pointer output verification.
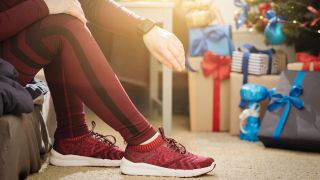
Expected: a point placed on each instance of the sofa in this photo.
(25, 139)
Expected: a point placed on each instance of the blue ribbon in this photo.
(245, 63)
(244, 12)
(272, 17)
(189, 67)
(280, 100)
(212, 33)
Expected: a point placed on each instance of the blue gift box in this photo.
(216, 38)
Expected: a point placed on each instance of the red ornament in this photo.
(264, 21)
(263, 8)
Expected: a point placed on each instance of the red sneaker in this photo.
(92, 149)
(164, 157)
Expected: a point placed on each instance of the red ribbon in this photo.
(315, 20)
(219, 67)
(307, 59)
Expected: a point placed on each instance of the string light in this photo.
(251, 30)
(294, 22)
(319, 31)
(260, 17)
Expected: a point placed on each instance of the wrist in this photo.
(145, 26)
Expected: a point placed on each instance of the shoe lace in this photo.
(103, 138)
(173, 144)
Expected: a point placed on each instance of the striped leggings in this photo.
(76, 72)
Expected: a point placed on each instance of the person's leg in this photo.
(70, 113)
(87, 73)
(85, 69)
(72, 136)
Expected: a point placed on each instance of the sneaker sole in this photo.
(143, 169)
(58, 159)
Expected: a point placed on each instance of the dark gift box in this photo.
(293, 117)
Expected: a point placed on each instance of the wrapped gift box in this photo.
(296, 127)
(299, 66)
(305, 62)
(270, 81)
(215, 38)
(199, 18)
(259, 63)
(201, 100)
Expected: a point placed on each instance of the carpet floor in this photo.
(235, 159)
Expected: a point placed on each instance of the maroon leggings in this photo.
(76, 72)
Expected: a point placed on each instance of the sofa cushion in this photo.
(23, 139)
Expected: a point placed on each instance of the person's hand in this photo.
(71, 7)
(166, 47)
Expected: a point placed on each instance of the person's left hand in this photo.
(166, 47)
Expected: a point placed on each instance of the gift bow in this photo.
(280, 100)
(273, 19)
(307, 59)
(244, 12)
(211, 33)
(218, 66)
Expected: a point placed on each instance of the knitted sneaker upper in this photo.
(90, 145)
(166, 152)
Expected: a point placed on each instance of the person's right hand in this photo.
(71, 7)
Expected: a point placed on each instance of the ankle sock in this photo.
(75, 138)
(147, 147)
(151, 139)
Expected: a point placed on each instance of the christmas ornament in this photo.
(249, 118)
(263, 8)
(273, 31)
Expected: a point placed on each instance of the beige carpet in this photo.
(235, 159)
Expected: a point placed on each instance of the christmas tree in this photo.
(283, 21)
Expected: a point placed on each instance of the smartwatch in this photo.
(145, 26)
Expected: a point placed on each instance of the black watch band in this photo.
(145, 26)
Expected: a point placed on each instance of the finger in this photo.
(166, 55)
(178, 41)
(79, 11)
(178, 53)
(83, 18)
(77, 14)
(166, 63)
(181, 54)
(175, 51)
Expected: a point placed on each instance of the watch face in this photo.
(145, 26)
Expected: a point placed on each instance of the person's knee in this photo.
(62, 22)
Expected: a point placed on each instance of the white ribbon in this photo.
(251, 112)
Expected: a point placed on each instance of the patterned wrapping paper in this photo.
(258, 63)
